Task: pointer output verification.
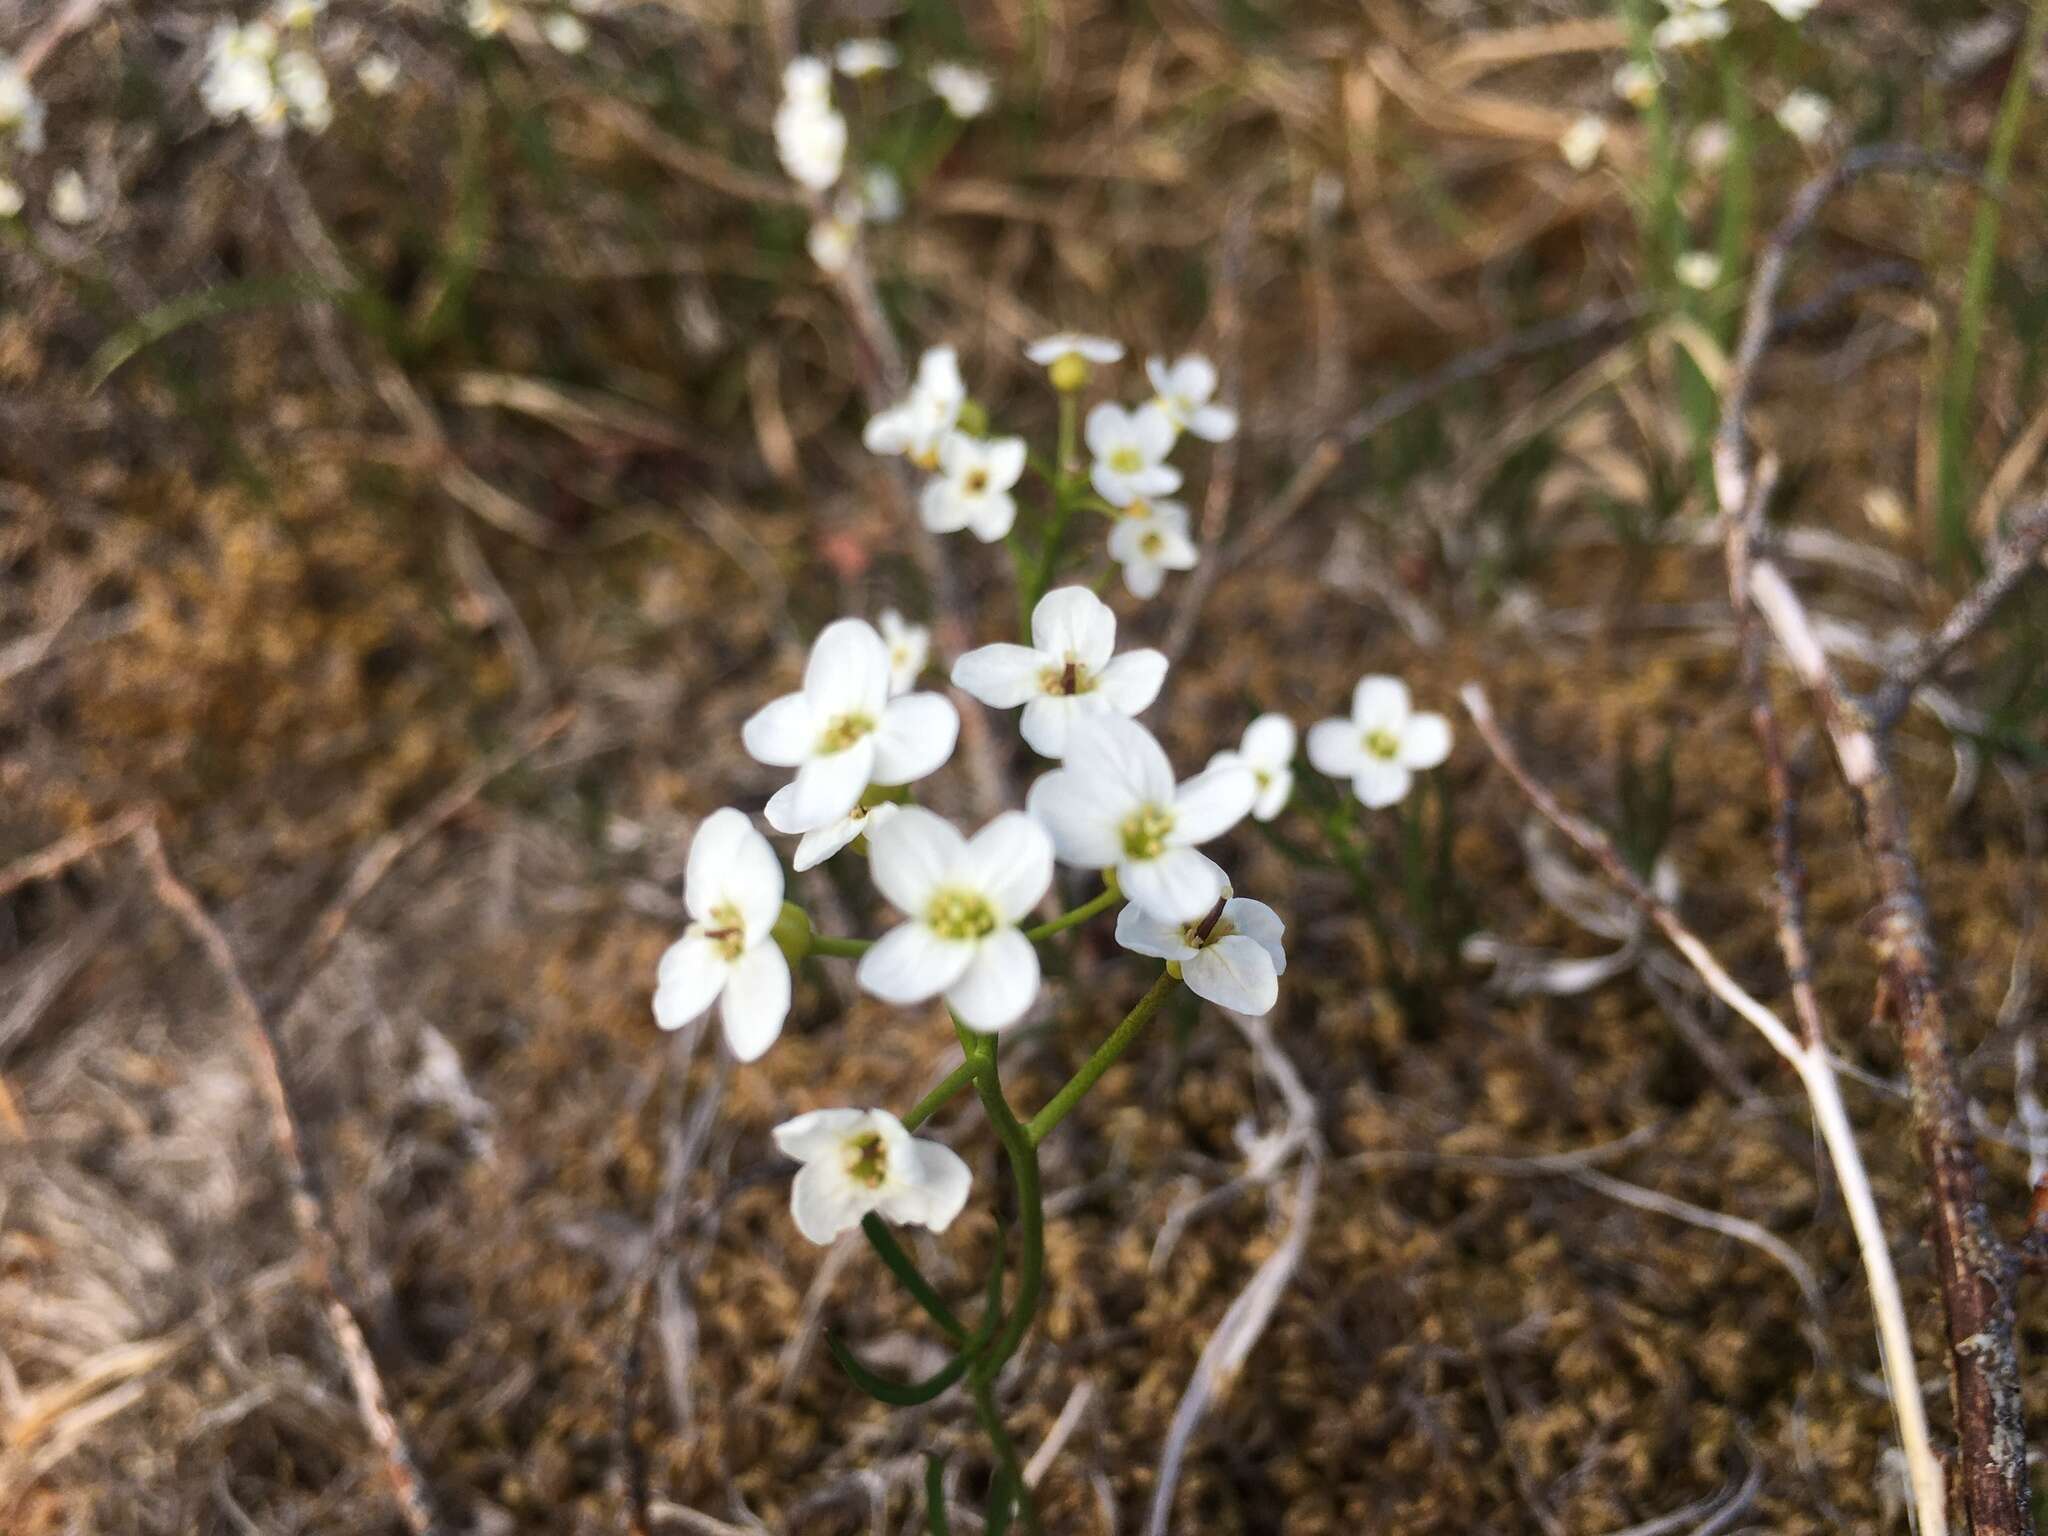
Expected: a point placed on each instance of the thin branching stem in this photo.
(1106, 1056)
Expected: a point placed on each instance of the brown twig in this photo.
(71, 849)
(322, 1250)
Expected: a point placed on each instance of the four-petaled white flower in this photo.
(1130, 449)
(1805, 115)
(1114, 804)
(859, 57)
(1636, 83)
(972, 487)
(962, 898)
(1708, 145)
(860, 1160)
(1698, 269)
(1688, 25)
(1384, 743)
(810, 136)
(831, 238)
(21, 110)
(1066, 674)
(1230, 955)
(732, 890)
(12, 198)
(820, 843)
(377, 74)
(1268, 752)
(842, 732)
(1184, 391)
(71, 201)
(1151, 538)
(918, 423)
(965, 91)
(910, 648)
(565, 33)
(881, 195)
(1581, 143)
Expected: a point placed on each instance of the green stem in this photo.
(1009, 1484)
(1110, 897)
(822, 944)
(1105, 1057)
(940, 1096)
(935, 1496)
(905, 1269)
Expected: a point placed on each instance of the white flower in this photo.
(1793, 10)
(1113, 804)
(972, 488)
(1150, 539)
(910, 648)
(1698, 269)
(1383, 743)
(963, 898)
(70, 201)
(915, 425)
(565, 33)
(842, 731)
(806, 78)
(1230, 955)
(881, 195)
(1268, 751)
(1130, 449)
(819, 844)
(1581, 143)
(811, 139)
(859, 57)
(1805, 115)
(238, 80)
(965, 91)
(861, 1160)
(377, 74)
(302, 88)
(1067, 673)
(733, 893)
(1684, 28)
(12, 199)
(21, 110)
(1708, 145)
(1636, 83)
(1184, 391)
(487, 18)
(831, 238)
(1048, 350)
(297, 13)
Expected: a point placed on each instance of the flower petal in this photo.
(756, 1001)
(824, 789)
(1155, 432)
(848, 670)
(1213, 423)
(935, 1190)
(1082, 816)
(1260, 923)
(1180, 886)
(1234, 972)
(1108, 427)
(753, 883)
(1336, 748)
(1005, 462)
(817, 1133)
(915, 737)
(1426, 742)
(1143, 934)
(912, 855)
(712, 851)
(1379, 783)
(1001, 676)
(991, 515)
(941, 507)
(1269, 741)
(1274, 794)
(1133, 680)
(1123, 754)
(825, 1201)
(691, 974)
(1073, 624)
(1211, 803)
(1160, 375)
(782, 732)
(820, 843)
(1047, 723)
(998, 986)
(1010, 862)
(1379, 703)
(910, 963)
(1143, 578)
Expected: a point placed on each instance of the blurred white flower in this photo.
(972, 487)
(238, 81)
(487, 18)
(1231, 955)
(1383, 745)
(910, 648)
(296, 13)
(1130, 449)
(842, 732)
(1636, 83)
(1268, 751)
(1688, 26)
(377, 74)
(859, 57)
(1068, 357)
(805, 78)
(1581, 143)
(1151, 538)
(302, 90)
(857, 1161)
(1806, 116)
(12, 199)
(810, 138)
(1068, 672)
(963, 898)
(966, 91)
(1184, 392)
(732, 890)
(820, 843)
(565, 33)
(917, 424)
(833, 236)
(881, 195)
(1708, 145)
(1114, 804)
(70, 200)
(1699, 270)
(1794, 10)
(21, 110)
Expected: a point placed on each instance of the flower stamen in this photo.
(843, 731)
(961, 915)
(867, 1160)
(1144, 832)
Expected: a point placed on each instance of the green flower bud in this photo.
(792, 933)
(973, 418)
(1069, 373)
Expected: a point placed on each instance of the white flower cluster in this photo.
(563, 28)
(267, 73)
(21, 128)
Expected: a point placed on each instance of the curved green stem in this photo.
(905, 1269)
(823, 944)
(908, 1394)
(940, 1096)
(1008, 1489)
(1102, 903)
(1105, 1057)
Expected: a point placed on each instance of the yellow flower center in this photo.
(1126, 460)
(1144, 832)
(960, 915)
(977, 482)
(728, 930)
(867, 1159)
(843, 731)
(1068, 680)
(1383, 743)
(1152, 543)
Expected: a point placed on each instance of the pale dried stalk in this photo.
(1817, 1076)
